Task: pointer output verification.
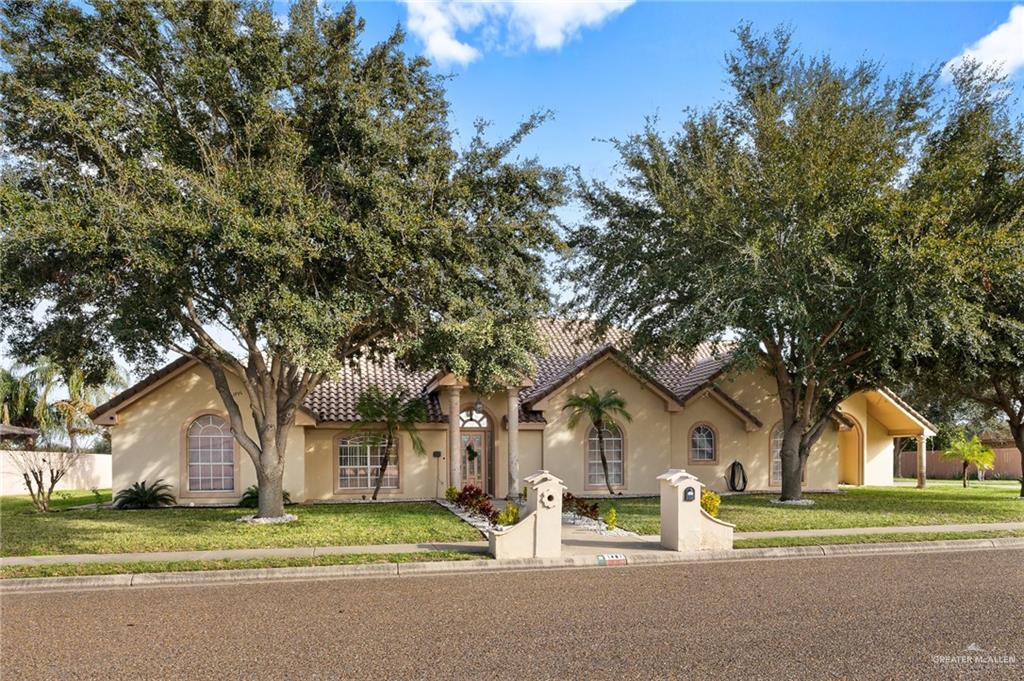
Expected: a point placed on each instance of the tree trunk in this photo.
(792, 484)
(1017, 430)
(383, 466)
(271, 486)
(604, 459)
(965, 474)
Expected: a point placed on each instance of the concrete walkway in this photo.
(575, 541)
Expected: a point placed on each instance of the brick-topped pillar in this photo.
(513, 443)
(454, 437)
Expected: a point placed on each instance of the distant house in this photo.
(696, 414)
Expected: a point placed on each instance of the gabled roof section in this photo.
(592, 359)
(877, 400)
(571, 347)
(137, 390)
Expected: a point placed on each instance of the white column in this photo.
(513, 443)
(454, 438)
(922, 459)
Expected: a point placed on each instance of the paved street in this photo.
(853, 617)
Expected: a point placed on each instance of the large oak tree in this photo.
(175, 167)
(775, 220)
(969, 191)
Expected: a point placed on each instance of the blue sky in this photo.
(660, 57)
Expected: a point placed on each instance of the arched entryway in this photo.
(851, 454)
(477, 436)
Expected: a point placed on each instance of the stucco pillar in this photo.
(513, 443)
(922, 459)
(454, 438)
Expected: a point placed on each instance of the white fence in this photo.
(91, 470)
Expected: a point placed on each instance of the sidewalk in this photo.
(575, 542)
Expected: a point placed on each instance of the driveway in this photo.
(907, 616)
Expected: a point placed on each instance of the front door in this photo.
(474, 460)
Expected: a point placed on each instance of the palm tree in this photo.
(397, 411)
(598, 408)
(18, 398)
(68, 415)
(970, 452)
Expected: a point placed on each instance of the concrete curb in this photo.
(413, 569)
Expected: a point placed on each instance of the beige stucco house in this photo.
(698, 415)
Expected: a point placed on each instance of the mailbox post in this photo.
(685, 526)
(539, 533)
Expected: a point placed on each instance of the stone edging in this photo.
(214, 577)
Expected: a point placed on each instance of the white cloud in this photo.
(1003, 48)
(543, 24)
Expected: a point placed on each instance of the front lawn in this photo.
(942, 502)
(23, 532)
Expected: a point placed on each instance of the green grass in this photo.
(83, 569)
(23, 532)
(872, 538)
(942, 502)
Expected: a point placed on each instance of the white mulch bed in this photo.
(595, 526)
(792, 502)
(286, 518)
(475, 519)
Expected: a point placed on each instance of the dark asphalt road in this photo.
(854, 617)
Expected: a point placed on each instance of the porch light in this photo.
(478, 406)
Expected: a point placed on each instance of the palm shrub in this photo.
(395, 411)
(251, 497)
(598, 408)
(970, 452)
(141, 495)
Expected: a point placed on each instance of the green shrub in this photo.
(140, 495)
(509, 515)
(451, 494)
(251, 497)
(710, 502)
(611, 518)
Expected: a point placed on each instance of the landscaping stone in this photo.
(478, 521)
(792, 502)
(595, 526)
(280, 520)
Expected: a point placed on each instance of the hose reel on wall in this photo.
(737, 477)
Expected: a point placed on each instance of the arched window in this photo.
(211, 455)
(359, 459)
(775, 445)
(614, 453)
(703, 444)
(471, 418)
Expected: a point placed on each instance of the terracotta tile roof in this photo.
(335, 400)
(569, 347)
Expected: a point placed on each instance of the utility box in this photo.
(685, 526)
(539, 533)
